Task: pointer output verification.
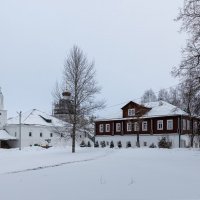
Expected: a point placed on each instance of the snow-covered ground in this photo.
(106, 174)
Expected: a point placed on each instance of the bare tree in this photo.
(148, 96)
(190, 17)
(172, 96)
(137, 128)
(79, 79)
(189, 69)
(175, 97)
(163, 94)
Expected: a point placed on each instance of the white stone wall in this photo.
(148, 139)
(3, 118)
(35, 138)
(26, 140)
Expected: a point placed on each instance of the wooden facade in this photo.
(140, 122)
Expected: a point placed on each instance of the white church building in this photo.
(37, 128)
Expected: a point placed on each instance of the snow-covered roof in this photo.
(5, 136)
(162, 108)
(158, 109)
(36, 117)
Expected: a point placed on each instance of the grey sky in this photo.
(134, 44)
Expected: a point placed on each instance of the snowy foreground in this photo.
(94, 174)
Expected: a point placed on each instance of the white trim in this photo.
(128, 118)
(144, 126)
(170, 126)
(188, 125)
(118, 127)
(184, 124)
(195, 126)
(136, 126)
(131, 112)
(129, 127)
(101, 128)
(159, 124)
(107, 128)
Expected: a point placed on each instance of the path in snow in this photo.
(15, 161)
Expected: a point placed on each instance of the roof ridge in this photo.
(42, 112)
(28, 115)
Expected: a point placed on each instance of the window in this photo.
(15, 134)
(40, 134)
(118, 127)
(107, 127)
(51, 134)
(195, 126)
(160, 125)
(101, 128)
(188, 124)
(129, 126)
(184, 124)
(136, 126)
(144, 126)
(30, 134)
(131, 112)
(170, 124)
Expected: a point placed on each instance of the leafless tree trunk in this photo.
(189, 69)
(79, 80)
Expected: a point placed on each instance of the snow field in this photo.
(111, 174)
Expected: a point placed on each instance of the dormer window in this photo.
(131, 112)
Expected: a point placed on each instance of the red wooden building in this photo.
(151, 121)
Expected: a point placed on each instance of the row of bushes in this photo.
(83, 144)
(163, 143)
(104, 144)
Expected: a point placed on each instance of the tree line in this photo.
(187, 94)
(188, 70)
(178, 96)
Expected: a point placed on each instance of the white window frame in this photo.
(195, 126)
(131, 112)
(136, 126)
(188, 125)
(129, 126)
(118, 127)
(184, 124)
(170, 124)
(107, 128)
(160, 125)
(144, 126)
(101, 128)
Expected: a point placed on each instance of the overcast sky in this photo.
(134, 44)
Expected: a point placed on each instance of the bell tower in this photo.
(3, 113)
